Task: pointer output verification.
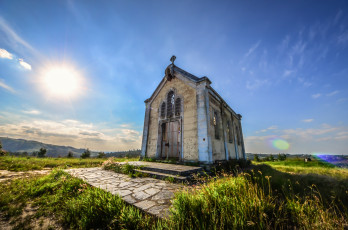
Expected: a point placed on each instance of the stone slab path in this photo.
(149, 194)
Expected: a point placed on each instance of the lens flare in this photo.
(280, 144)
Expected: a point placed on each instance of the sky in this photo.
(77, 73)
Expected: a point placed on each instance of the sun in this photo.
(62, 81)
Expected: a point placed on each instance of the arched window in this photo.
(238, 135)
(163, 110)
(170, 103)
(177, 106)
(216, 125)
(229, 131)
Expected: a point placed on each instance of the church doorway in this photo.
(171, 140)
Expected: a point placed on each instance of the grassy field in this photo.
(271, 195)
(298, 166)
(13, 163)
(73, 204)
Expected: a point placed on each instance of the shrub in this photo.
(86, 154)
(101, 155)
(256, 158)
(70, 155)
(42, 152)
(281, 156)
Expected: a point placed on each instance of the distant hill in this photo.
(21, 145)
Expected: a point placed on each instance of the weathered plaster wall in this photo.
(188, 93)
(217, 144)
(230, 143)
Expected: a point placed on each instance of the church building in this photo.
(187, 120)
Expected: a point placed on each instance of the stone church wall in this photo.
(218, 148)
(188, 94)
(218, 145)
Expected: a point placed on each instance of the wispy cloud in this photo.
(13, 37)
(255, 83)
(5, 54)
(342, 38)
(302, 140)
(315, 96)
(24, 64)
(333, 93)
(72, 132)
(3, 85)
(273, 127)
(308, 120)
(33, 112)
(287, 73)
(252, 49)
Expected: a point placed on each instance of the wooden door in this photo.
(171, 140)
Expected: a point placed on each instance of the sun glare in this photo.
(62, 81)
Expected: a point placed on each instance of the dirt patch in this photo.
(29, 220)
(9, 175)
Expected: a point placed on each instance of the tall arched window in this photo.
(163, 110)
(216, 125)
(170, 103)
(229, 131)
(238, 135)
(177, 106)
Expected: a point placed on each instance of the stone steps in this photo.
(175, 172)
(163, 176)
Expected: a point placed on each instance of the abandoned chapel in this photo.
(188, 121)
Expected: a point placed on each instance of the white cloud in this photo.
(252, 49)
(342, 100)
(332, 93)
(13, 37)
(24, 64)
(33, 112)
(315, 96)
(73, 133)
(343, 38)
(256, 83)
(273, 127)
(287, 73)
(308, 120)
(326, 138)
(3, 85)
(5, 54)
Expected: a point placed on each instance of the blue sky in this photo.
(281, 64)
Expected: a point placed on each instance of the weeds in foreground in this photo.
(75, 204)
(123, 168)
(17, 164)
(247, 202)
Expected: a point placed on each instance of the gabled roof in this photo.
(182, 72)
(188, 75)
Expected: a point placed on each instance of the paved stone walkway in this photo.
(148, 194)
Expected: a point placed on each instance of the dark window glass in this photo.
(163, 110)
(229, 131)
(216, 125)
(177, 106)
(170, 104)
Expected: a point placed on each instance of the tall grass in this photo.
(247, 202)
(298, 166)
(75, 204)
(13, 163)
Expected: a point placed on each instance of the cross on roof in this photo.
(172, 59)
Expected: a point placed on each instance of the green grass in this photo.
(249, 201)
(74, 204)
(17, 164)
(298, 166)
(268, 196)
